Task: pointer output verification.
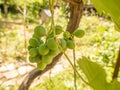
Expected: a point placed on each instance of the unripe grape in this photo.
(70, 44)
(66, 35)
(33, 42)
(34, 59)
(47, 59)
(79, 33)
(41, 65)
(58, 29)
(63, 43)
(39, 31)
(51, 44)
(43, 49)
(29, 47)
(54, 53)
(33, 52)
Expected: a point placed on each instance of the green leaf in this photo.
(111, 7)
(116, 85)
(95, 74)
(84, 1)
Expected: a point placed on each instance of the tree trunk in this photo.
(5, 8)
(35, 73)
(76, 9)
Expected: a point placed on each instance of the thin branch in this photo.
(20, 10)
(117, 66)
(75, 78)
(36, 72)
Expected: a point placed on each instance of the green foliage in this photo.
(84, 1)
(8, 88)
(115, 85)
(96, 75)
(109, 39)
(103, 5)
(61, 81)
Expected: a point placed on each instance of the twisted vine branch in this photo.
(76, 9)
(117, 66)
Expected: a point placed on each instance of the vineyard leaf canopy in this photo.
(96, 75)
(94, 72)
(116, 85)
(111, 8)
(85, 1)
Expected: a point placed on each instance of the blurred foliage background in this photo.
(18, 19)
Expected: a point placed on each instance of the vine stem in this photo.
(72, 64)
(74, 60)
(51, 4)
(75, 69)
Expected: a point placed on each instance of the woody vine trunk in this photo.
(76, 9)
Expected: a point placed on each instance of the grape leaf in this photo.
(95, 74)
(111, 7)
(116, 85)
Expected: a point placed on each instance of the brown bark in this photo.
(76, 9)
(117, 66)
(35, 73)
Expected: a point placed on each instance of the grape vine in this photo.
(75, 16)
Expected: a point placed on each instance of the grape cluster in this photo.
(43, 47)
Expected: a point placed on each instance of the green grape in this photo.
(36, 59)
(34, 42)
(47, 59)
(41, 65)
(70, 44)
(39, 31)
(38, 38)
(66, 35)
(33, 52)
(34, 36)
(79, 33)
(51, 44)
(58, 29)
(51, 35)
(29, 47)
(43, 49)
(54, 53)
(63, 43)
